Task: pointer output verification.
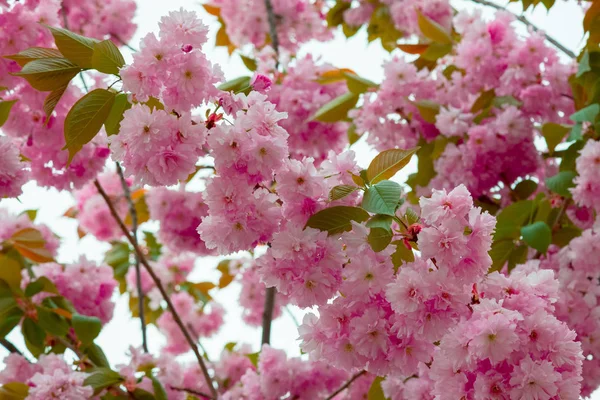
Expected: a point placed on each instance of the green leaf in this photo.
(85, 119)
(428, 110)
(33, 333)
(335, 16)
(337, 219)
(375, 391)
(34, 53)
(14, 391)
(337, 109)
(5, 107)
(587, 114)
(511, 218)
(380, 221)
(554, 134)
(9, 321)
(563, 236)
(411, 216)
(253, 357)
(432, 30)
(518, 256)
(341, 191)
(382, 198)
(52, 100)
(576, 132)
(49, 74)
(118, 258)
(76, 48)
(484, 101)
(152, 244)
(379, 239)
(584, 64)
(107, 58)
(436, 51)
(561, 183)
(159, 390)
(52, 323)
(42, 284)
(10, 271)
(537, 235)
(500, 252)
(250, 63)
(86, 328)
(235, 85)
(357, 84)
(115, 116)
(402, 254)
(101, 378)
(229, 346)
(95, 353)
(387, 163)
(525, 188)
(570, 156)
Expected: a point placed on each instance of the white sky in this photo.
(563, 22)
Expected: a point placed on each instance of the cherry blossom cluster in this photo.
(179, 213)
(252, 296)
(92, 212)
(112, 19)
(300, 95)
(587, 189)
(298, 21)
(486, 147)
(578, 300)
(11, 224)
(13, 173)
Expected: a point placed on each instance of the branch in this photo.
(123, 43)
(10, 347)
(160, 287)
(138, 276)
(525, 21)
(268, 315)
(345, 385)
(273, 29)
(191, 391)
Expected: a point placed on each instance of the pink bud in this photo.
(261, 83)
(186, 48)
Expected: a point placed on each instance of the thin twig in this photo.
(123, 43)
(268, 315)
(160, 287)
(85, 86)
(292, 316)
(10, 347)
(138, 275)
(345, 385)
(525, 21)
(271, 292)
(191, 391)
(273, 30)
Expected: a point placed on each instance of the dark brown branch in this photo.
(138, 275)
(191, 391)
(272, 18)
(160, 287)
(268, 315)
(345, 385)
(10, 347)
(525, 21)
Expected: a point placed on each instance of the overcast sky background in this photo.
(563, 22)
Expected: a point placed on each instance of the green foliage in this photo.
(402, 254)
(525, 189)
(115, 116)
(9, 320)
(485, 100)
(49, 74)
(34, 53)
(561, 183)
(33, 333)
(341, 191)
(85, 119)
(52, 100)
(250, 63)
(96, 355)
(357, 84)
(76, 48)
(236, 85)
(379, 238)
(337, 219)
(337, 109)
(511, 218)
(554, 134)
(154, 247)
(428, 110)
(10, 272)
(51, 322)
(375, 391)
(382, 198)
(159, 390)
(42, 284)
(537, 235)
(432, 30)
(14, 391)
(387, 163)
(86, 328)
(5, 107)
(380, 221)
(101, 378)
(107, 58)
(500, 252)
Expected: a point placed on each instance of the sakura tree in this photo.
(475, 278)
